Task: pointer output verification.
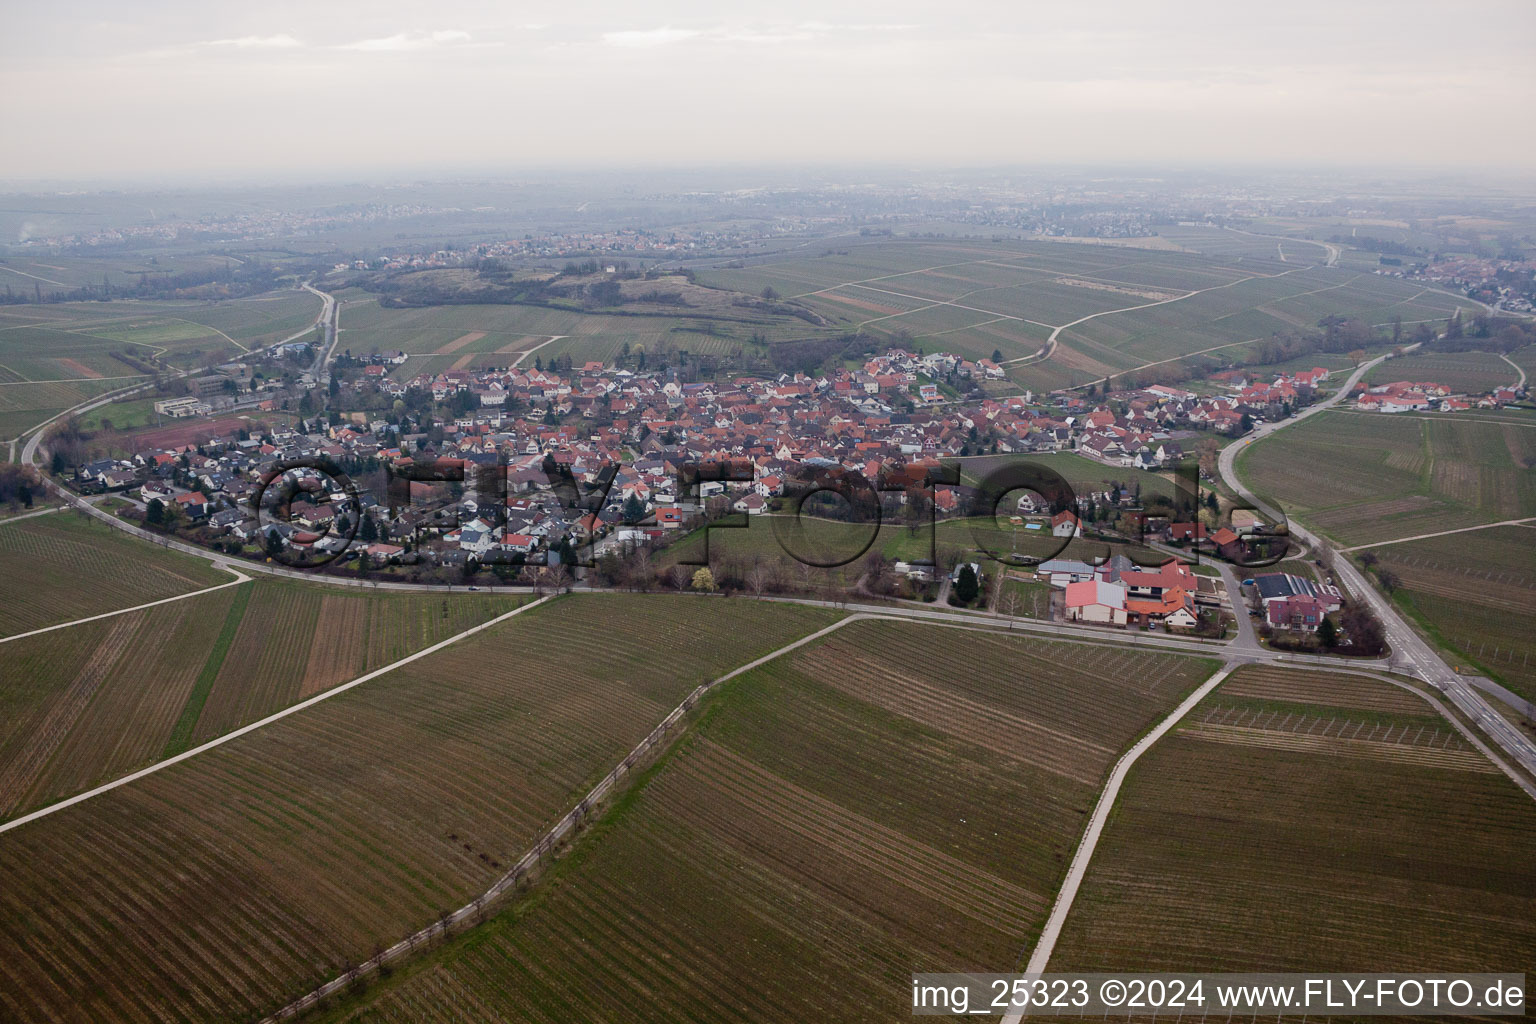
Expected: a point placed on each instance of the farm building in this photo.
(1059, 572)
(1096, 601)
(1291, 601)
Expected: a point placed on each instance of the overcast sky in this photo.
(179, 90)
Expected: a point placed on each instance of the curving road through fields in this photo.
(1410, 651)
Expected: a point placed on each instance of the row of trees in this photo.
(227, 282)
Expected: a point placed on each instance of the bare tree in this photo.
(876, 574)
(757, 579)
(949, 556)
(1011, 606)
(679, 577)
(643, 574)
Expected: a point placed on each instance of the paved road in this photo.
(525, 353)
(1514, 700)
(1247, 636)
(1333, 250)
(1409, 649)
(919, 611)
(323, 317)
(330, 318)
(29, 450)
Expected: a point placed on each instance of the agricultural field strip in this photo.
(1042, 953)
(572, 817)
(243, 578)
(1051, 342)
(68, 380)
(1197, 352)
(158, 350)
(85, 406)
(1436, 418)
(1442, 533)
(932, 303)
(903, 273)
(1298, 295)
(561, 828)
(82, 327)
(1332, 250)
(252, 727)
(215, 330)
(525, 353)
(1079, 866)
(35, 277)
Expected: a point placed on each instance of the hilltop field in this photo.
(56, 356)
(1113, 308)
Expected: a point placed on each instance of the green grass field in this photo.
(125, 415)
(765, 538)
(1308, 822)
(1365, 477)
(224, 886)
(861, 809)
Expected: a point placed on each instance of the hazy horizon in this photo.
(190, 94)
